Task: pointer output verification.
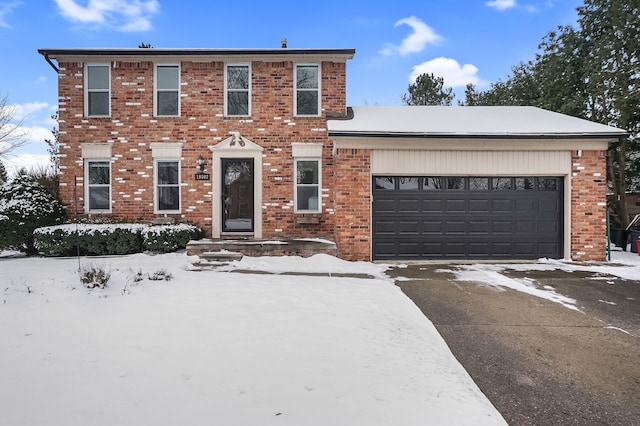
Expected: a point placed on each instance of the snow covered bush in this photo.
(116, 238)
(24, 206)
(94, 239)
(169, 238)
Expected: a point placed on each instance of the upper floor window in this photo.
(97, 94)
(238, 87)
(167, 90)
(307, 96)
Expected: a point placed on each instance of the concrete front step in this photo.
(220, 256)
(256, 248)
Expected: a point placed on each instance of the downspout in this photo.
(46, 57)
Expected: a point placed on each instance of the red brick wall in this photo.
(588, 206)
(353, 204)
(132, 127)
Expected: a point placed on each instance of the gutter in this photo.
(46, 57)
(392, 135)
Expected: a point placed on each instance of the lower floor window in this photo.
(168, 185)
(98, 185)
(307, 190)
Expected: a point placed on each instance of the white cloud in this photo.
(123, 15)
(450, 70)
(27, 161)
(421, 36)
(21, 111)
(6, 9)
(501, 4)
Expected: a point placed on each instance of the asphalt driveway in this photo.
(539, 362)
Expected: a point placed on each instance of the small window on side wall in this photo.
(307, 96)
(167, 99)
(98, 86)
(307, 185)
(98, 187)
(238, 90)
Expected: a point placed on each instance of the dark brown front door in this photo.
(237, 195)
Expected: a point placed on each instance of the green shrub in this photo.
(106, 239)
(26, 205)
(164, 239)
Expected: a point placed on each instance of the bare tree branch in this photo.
(13, 134)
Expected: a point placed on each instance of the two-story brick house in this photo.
(260, 143)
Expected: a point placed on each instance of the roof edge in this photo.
(616, 136)
(53, 52)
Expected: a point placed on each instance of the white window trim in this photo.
(295, 184)
(226, 105)
(88, 186)
(295, 89)
(86, 87)
(156, 210)
(155, 89)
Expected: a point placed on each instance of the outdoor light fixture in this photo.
(201, 163)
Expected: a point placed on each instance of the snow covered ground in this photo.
(222, 347)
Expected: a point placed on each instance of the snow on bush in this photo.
(115, 238)
(24, 206)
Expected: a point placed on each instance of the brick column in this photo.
(588, 206)
(353, 203)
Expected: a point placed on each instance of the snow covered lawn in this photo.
(223, 348)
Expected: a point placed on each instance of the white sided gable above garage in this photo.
(481, 182)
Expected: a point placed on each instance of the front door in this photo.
(237, 195)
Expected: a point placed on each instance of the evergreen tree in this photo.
(24, 206)
(428, 90)
(3, 173)
(590, 72)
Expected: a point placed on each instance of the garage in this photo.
(467, 217)
(473, 182)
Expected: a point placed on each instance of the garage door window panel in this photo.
(454, 183)
(478, 184)
(525, 184)
(547, 184)
(408, 183)
(384, 183)
(432, 184)
(501, 184)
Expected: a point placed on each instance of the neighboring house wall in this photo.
(136, 138)
(588, 205)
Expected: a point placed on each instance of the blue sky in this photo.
(464, 41)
